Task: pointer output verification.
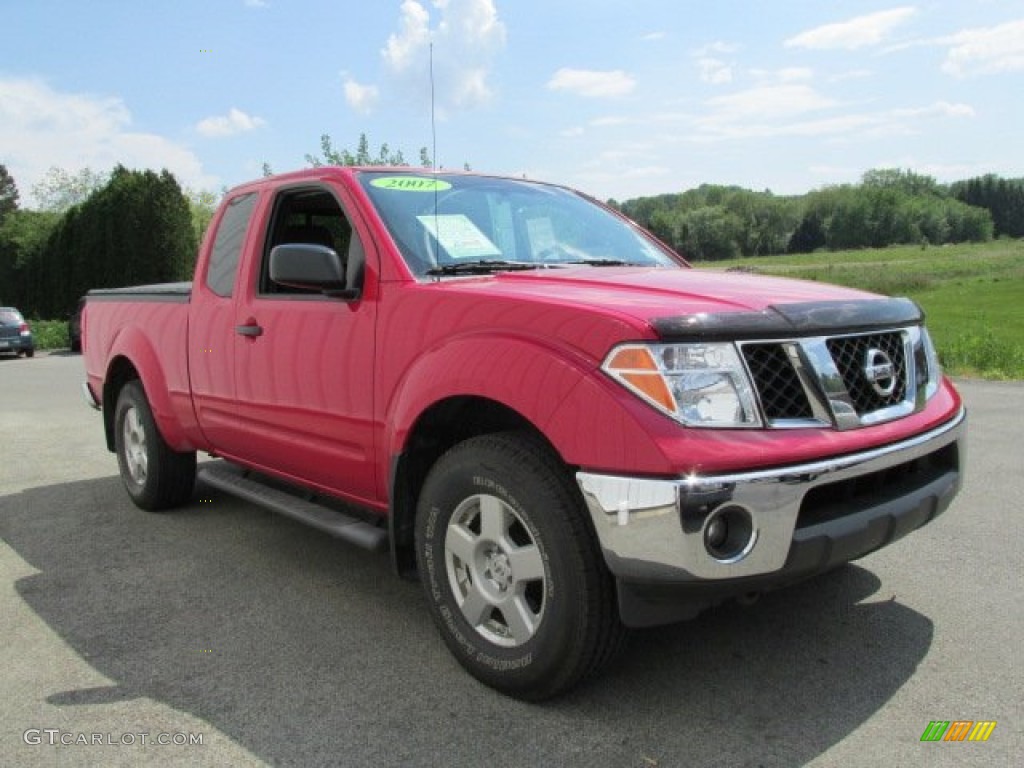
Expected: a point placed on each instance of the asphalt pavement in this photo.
(274, 644)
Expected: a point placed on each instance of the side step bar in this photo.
(235, 481)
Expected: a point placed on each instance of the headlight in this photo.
(699, 385)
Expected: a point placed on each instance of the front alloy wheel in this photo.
(495, 570)
(513, 574)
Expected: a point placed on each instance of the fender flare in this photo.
(553, 387)
(132, 346)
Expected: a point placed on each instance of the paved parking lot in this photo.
(278, 645)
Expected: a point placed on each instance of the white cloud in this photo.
(785, 75)
(257, 4)
(853, 74)
(952, 171)
(745, 118)
(938, 109)
(794, 74)
(711, 67)
(617, 170)
(467, 37)
(651, 37)
(714, 71)
(768, 101)
(41, 127)
(234, 122)
(860, 32)
(988, 50)
(592, 84)
(717, 48)
(412, 38)
(362, 98)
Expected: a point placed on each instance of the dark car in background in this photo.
(15, 333)
(75, 327)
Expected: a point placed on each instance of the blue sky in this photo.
(620, 98)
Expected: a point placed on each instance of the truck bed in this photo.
(158, 291)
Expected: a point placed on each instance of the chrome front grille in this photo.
(777, 383)
(845, 381)
(850, 354)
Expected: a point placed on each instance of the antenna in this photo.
(433, 160)
(433, 122)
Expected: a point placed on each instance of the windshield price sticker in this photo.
(411, 184)
(459, 236)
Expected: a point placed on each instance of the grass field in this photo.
(973, 294)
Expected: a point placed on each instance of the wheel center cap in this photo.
(498, 570)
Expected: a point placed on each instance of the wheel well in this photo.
(120, 372)
(440, 427)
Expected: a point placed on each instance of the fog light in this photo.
(729, 533)
(716, 534)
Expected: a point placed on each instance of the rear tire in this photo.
(155, 476)
(513, 575)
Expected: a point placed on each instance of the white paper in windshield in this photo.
(541, 233)
(459, 236)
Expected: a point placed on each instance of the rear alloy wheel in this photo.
(155, 476)
(512, 572)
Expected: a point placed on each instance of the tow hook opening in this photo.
(729, 533)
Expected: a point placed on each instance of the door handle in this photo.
(251, 329)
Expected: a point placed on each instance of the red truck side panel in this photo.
(295, 398)
(304, 394)
(152, 336)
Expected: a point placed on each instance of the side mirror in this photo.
(314, 267)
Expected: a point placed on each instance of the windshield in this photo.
(454, 224)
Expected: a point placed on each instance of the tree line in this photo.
(136, 228)
(133, 227)
(887, 207)
(96, 230)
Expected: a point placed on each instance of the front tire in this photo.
(513, 575)
(155, 476)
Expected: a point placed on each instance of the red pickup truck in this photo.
(538, 408)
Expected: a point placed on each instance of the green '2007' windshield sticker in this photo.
(411, 184)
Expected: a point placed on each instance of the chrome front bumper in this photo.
(655, 530)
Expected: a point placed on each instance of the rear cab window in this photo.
(227, 245)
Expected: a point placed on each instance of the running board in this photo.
(235, 481)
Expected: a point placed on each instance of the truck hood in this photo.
(646, 295)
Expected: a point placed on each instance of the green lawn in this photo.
(973, 294)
